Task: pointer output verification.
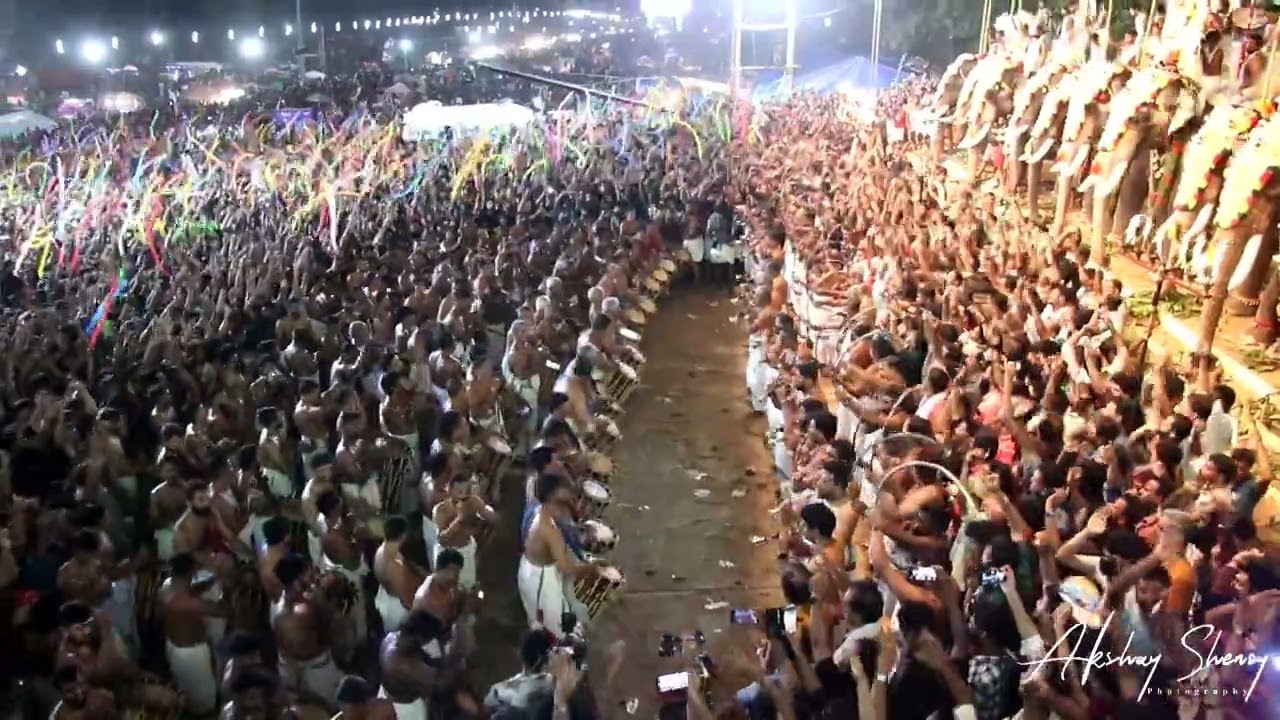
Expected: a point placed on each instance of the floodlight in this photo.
(195, 37)
(262, 32)
(377, 24)
(826, 22)
(93, 51)
(251, 49)
(288, 29)
(313, 28)
(406, 45)
(58, 47)
(368, 24)
(337, 27)
(156, 37)
(115, 43)
(231, 35)
(20, 71)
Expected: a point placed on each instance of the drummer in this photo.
(554, 558)
(463, 518)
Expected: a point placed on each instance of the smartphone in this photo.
(924, 574)
(743, 616)
(789, 620)
(674, 686)
(992, 576)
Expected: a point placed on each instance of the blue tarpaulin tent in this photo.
(855, 73)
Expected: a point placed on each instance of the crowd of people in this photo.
(264, 387)
(999, 502)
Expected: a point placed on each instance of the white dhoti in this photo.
(546, 596)
(389, 609)
(319, 676)
(723, 254)
(757, 377)
(430, 534)
(416, 710)
(121, 609)
(773, 414)
(164, 543)
(467, 578)
(782, 459)
(192, 670)
(697, 248)
(846, 422)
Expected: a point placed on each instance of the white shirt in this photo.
(1220, 432)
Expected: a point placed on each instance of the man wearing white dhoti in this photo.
(398, 578)
(553, 558)
(186, 646)
(300, 621)
(417, 673)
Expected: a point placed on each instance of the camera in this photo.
(571, 642)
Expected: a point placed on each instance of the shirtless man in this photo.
(275, 453)
(399, 422)
(168, 503)
(340, 553)
(441, 593)
(398, 579)
(580, 390)
(202, 533)
(417, 675)
(85, 578)
(302, 622)
(190, 658)
(275, 536)
(320, 482)
(461, 518)
(549, 567)
(358, 701)
(79, 700)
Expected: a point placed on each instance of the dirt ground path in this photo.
(692, 486)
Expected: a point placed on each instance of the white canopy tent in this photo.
(16, 123)
(429, 119)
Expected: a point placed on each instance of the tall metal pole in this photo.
(298, 60)
(735, 52)
(789, 73)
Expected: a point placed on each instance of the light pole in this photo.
(735, 52)
(789, 72)
(406, 45)
(298, 60)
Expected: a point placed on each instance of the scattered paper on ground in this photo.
(701, 493)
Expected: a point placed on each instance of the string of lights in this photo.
(96, 50)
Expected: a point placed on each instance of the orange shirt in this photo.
(1182, 585)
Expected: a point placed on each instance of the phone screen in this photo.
(789, 620)
(743, 616)
(674, 682)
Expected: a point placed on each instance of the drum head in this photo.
(601, 532)
(652, 285)
(648, 306)
(595, 491)
(667, 265)
(496, 444)
(661, 276)
(683, 255)
(610, 573)
(635, 317)
(629, 334)
(628, 371)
